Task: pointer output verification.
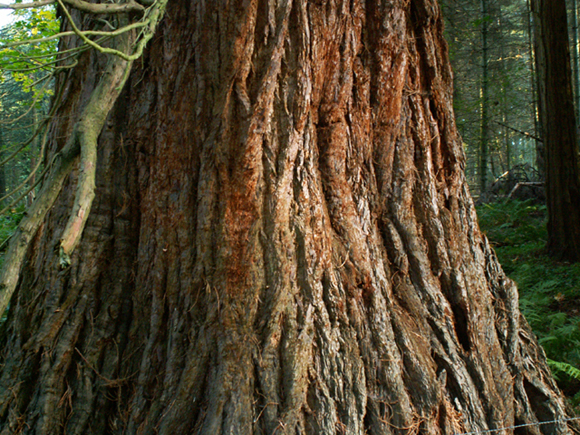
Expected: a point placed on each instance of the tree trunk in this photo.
(557, 116)
(2, 170)
(539, 144)
(575, 60)
(282, 241)
(484, 136)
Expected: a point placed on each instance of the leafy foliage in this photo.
(28, 49)
(8, 223)
(27, 52)
(549, 291)
(566, 368)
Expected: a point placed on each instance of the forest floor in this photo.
(549, 290)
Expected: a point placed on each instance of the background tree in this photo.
(281, 241)
(573, 14)
(483, 144)
(557, 115)
(508, 136)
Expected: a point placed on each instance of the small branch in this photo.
(100, 8)
(71, 33)
(93, 8)
(20, 148)
(149, 25)
(29, 225)
(531, 136)
(30, 176)
(18, 6)
(45, 66)
(37, 40)
(84, 37)
(13, 121)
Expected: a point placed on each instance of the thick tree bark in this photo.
(282, 241)
(558, 120)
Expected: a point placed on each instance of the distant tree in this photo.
(2, 172)
(573, 13)
(485, 112)
(557, 116)
(492, 60)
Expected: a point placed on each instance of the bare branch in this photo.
(87, 41)
(63, 162)
(18, 6)
(71, 32)
(109, 8)
(523, 133)
(93, 8)
(149, 25)
(45, 65)
(12, 121)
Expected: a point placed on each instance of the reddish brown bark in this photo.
(282, 241)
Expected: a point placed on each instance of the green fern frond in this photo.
(570, 370)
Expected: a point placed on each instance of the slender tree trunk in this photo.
(33, 152)
(282, 242)
(2, 169)
(508, 144)
(576, 59)
(505, 109)
(558, 120)
(540, 164)
(484, 137)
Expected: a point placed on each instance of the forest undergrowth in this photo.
(549, 290)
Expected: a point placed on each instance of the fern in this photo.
(549, 297)
(562, 367)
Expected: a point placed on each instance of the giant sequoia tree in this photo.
(281, 241)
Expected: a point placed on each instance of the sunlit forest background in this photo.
(491, 50)
(495, 98)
